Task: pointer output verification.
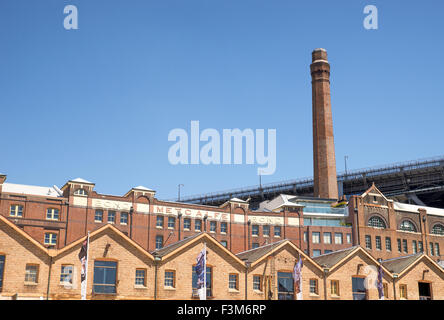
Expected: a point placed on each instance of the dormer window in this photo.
(80, 192)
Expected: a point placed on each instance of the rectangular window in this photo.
(208, 282)
(334, 287)
(105, 277)
(338, 238)
(66, 274)
(368, 242)
(159, 242)
(315, 237)
(224, 243)
(16, 211)
(437, 249)
(52, 214)
(414, 247)
(349, 238)
(98, 216)
(171, 222)
(399, 245)
(255, 230)
(314, 286)
(403, 291)
(213, 226)
(432, 251)
(305, 236)
(233, 281)
(50, 238)
(111, 216)
(197, 225)
(404, 245)
(257, 282)
(327, 237)
(420, 246)
(124, 218)
(223, 227)
(2, 268)
(327, 251)
(266, 231)
(170, 278)
(159, 221)
(385, 290)
(255, 245)
(140, 279)
(358, 288)
(31, 273)
(285, 286)
(388, 244)
(187, 223)
(277, 231)
(378, 243)
(316, 252)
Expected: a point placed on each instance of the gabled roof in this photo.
(374, 188)
(254, 256)
(101, 230)
(23, 234)
(334, 259)
(173, 248)
(401, 265)
(330, 259)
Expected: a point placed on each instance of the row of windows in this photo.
(105, 280)
(417, 246)
(171, 224)
(17, 211)
(111, 218)
(327, 237)
(406, 225)
(265, 230)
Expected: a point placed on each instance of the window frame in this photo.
(101, 215)
(53, 213)
(94, 285)
(230, 281)
(52, 235)
(124, 214)
(334, 284)
(257, 277)
(113, 221)
(37, 266)
(65, 274)
(16, 211)
(316, 286)
(138, 278)
(173, 278)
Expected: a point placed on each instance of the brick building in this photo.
(389, 229)
(57, 217)
(118, 268)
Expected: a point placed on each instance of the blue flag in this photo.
(201, 267)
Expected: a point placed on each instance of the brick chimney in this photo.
(324, 163)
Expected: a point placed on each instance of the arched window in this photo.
(80, 192)
(376, 222)
(407, 225)
(438, 229)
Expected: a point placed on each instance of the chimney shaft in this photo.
(324, 163)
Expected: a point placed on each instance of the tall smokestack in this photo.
(324, 163)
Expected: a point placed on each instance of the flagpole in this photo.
(86, 269)
(205, 270)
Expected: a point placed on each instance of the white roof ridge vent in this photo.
(58, 190)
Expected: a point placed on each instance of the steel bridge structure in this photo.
(418, 182)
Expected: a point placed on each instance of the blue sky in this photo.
(99, 102)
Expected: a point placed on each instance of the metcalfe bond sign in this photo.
(192, 213)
